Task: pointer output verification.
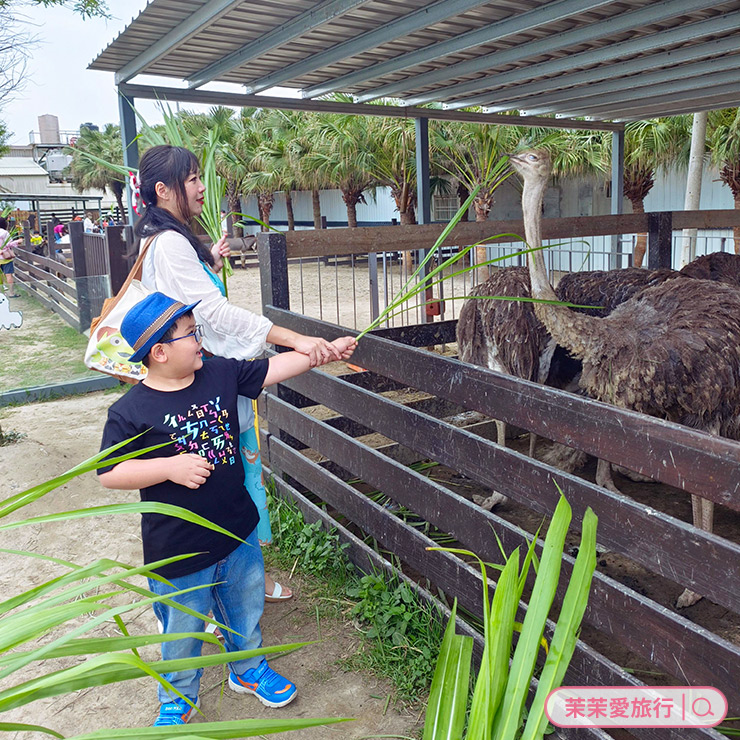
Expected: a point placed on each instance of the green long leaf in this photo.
(213, 730)
(99, 671)
(139, 507)
(509, 716)
(445, 716)
(493, 673)
(566, 630)
(20, 727)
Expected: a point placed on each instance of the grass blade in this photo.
(509, 717)
(566, 631)
(448, 695)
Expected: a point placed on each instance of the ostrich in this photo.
(722, 267)
(672, 351)
(507, 336)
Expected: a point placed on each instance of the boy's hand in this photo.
(345, 346)
(317, 349)
(189, 470)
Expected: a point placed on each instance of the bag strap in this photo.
(135, 274)
(136, 270)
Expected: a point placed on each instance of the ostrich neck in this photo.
(568, 328)
(532, 198)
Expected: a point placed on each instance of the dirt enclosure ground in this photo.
(61, 433)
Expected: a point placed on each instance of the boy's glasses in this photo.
(198, 334)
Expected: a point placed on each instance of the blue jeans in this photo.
(237, 601)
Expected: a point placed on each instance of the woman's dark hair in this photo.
(3, 223)
(171, 165)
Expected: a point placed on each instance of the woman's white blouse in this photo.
(172, 267)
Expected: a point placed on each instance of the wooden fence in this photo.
(73, 280)
(692, 461)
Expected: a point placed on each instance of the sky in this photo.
(58, 81)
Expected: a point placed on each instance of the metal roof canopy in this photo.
(454, 52)
(607, 61)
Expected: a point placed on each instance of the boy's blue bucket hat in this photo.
(146, 322)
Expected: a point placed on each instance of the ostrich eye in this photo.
(532, 157)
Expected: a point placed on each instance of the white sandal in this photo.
(278, 594)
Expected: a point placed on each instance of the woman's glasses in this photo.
(198, 334)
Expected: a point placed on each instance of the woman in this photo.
(7, 255)
(180, 265)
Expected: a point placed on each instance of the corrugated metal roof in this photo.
(602, 59)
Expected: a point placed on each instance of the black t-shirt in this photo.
(200, 419)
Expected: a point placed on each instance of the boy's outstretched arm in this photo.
(289, 364)
(188, 470)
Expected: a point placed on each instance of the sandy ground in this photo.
(58, 435)
(64, 432)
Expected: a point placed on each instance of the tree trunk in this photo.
(482, 205)
(289, 209)
(265, 202)
(234, 204)
(462, 195)
(316, 202)
(351, 198)
(736, 229)
(638, 206)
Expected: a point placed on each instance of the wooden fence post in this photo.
(272, 252)
(77, 244)
(660, 239)
(27, 236)
(118, 248)
(50, 241)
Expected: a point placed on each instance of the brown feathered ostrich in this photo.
(673, 351)
(507, 336)
(721, 267)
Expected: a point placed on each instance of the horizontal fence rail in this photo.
(367, 239)
(666, 546)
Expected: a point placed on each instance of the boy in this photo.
(193, 405)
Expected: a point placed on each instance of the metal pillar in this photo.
(617, 192)
(423, 196)
(130, 147)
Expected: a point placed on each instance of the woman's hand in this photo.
(220, 250)
(318, 350)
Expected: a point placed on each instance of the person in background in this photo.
(178, 264)
(89, 224)
(7, 255)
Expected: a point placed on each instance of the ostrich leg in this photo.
(703, 515)
(495, 498)
(604, 476)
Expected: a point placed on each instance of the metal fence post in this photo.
(660, 239)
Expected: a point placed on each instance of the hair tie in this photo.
(136, 198)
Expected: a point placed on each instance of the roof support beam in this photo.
(304, 23)
(522, 96)
(189, 27)
(676, 109)
(609, 110)
(653, 13)
(592, 103)
(426, 16)
(209, 97)
(548, 13)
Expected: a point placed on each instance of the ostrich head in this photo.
(534, 165)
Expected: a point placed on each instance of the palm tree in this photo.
(472, 153)
(724, 152)
(343, 154)
(648, 145)
(87, 173)
(220, 120)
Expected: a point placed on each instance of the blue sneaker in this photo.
(269, 687)
(176, 712)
